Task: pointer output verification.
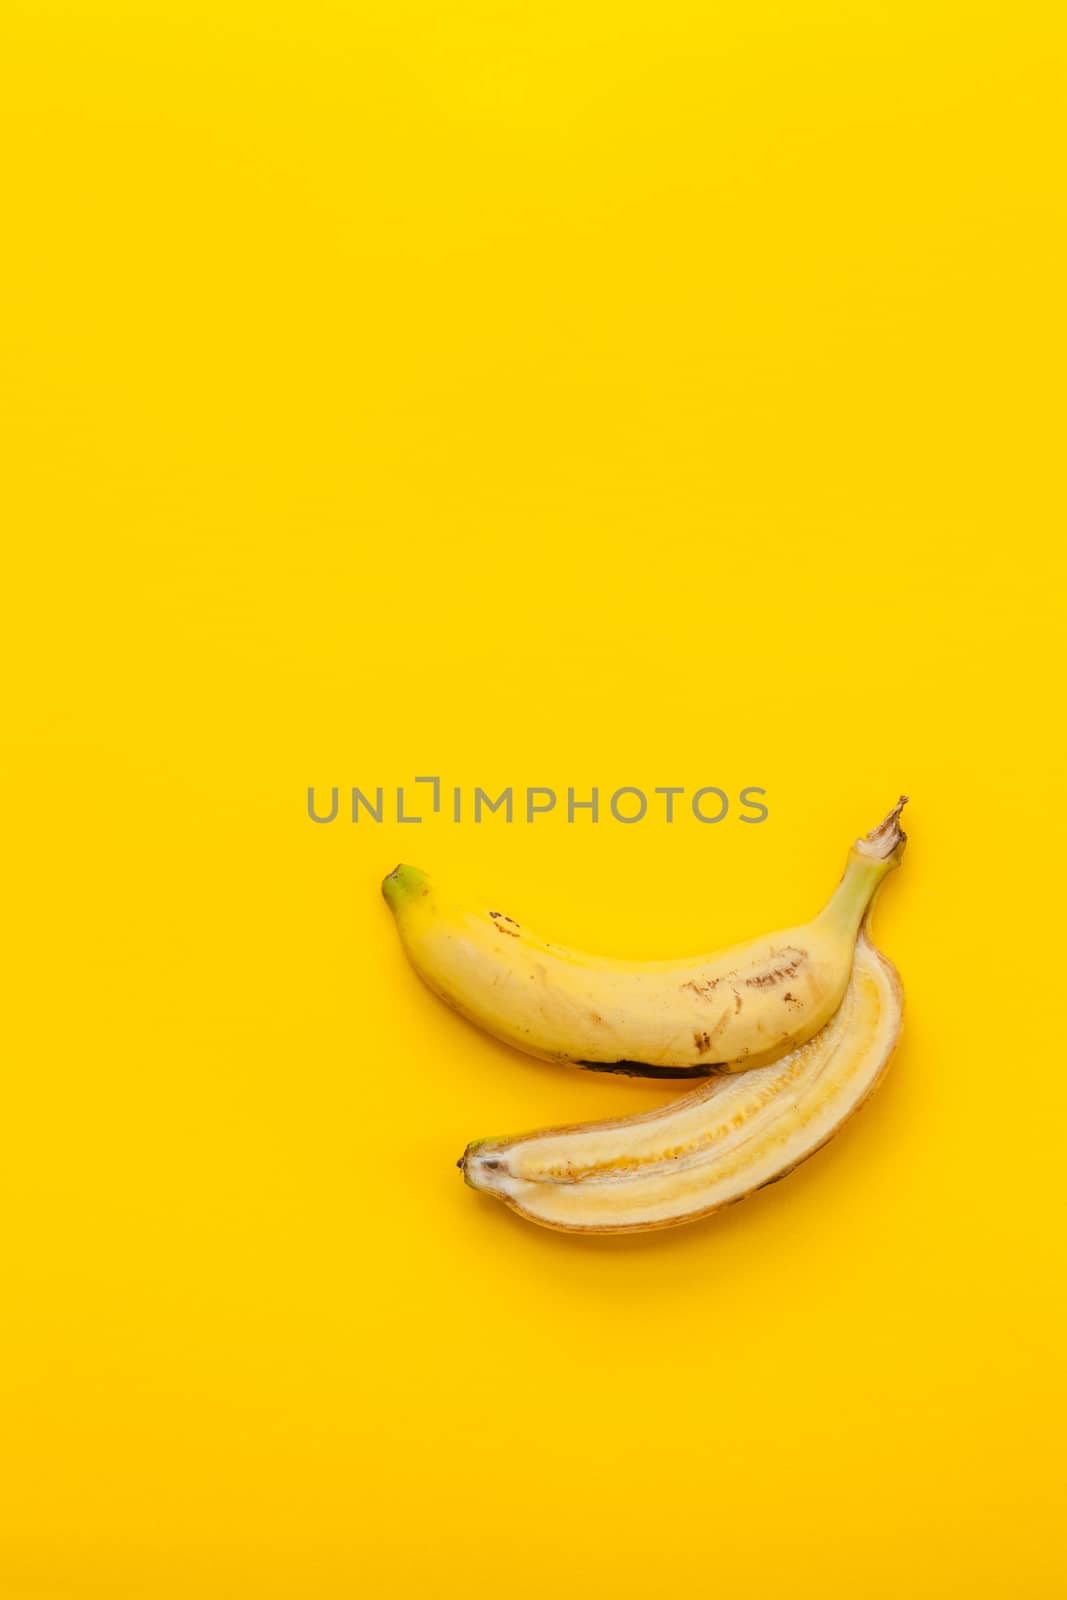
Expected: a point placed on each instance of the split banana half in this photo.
(714, 1145)
(734, 1009)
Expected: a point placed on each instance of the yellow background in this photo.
(534, 394)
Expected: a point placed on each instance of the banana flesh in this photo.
(711, 1147)
(731, 1010)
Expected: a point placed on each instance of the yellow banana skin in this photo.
(730, 1010)
(713, 1146)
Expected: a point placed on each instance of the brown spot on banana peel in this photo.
(768, 980)
(703, 988)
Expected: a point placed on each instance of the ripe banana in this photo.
(734, 1009)
(714, 1145)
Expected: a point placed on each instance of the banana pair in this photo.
(791, 1031)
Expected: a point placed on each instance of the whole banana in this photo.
(733, 1009)
(714, 1145)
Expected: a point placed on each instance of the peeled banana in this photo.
(734, 1009)
(714, 1145)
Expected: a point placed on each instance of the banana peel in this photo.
(731, 1010)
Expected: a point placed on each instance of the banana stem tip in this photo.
(888, 837)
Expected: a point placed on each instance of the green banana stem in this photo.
(870, 860)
